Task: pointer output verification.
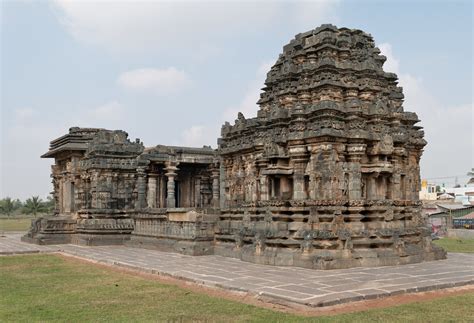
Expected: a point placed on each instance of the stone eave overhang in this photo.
(70, 147)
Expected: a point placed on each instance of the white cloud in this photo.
(193, 135)
(248, 105)
(109, 114)
(26, 138)
(127, 26)
(448, 129)
(199, 135)
(156, 81)
(392, 64)
(23, 173)
(24, 113)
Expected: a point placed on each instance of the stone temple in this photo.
(326, 176)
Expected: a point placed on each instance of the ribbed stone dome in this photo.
(330, 82)
(328, 57)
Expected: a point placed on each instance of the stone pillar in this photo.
(222, 183)
(94, 192)
(382, 187)
(299, 157)
(354, 156)
(141, 188)
(264, 188)
(197, 191)
(395, 187)
(215, 188)
(299, 192)
(66, 196)
(263, 180)
(170, 197)
(372, 187)
(162, 191)
(151, 196)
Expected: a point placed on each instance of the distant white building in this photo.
(460, 195)
(463, 195)
(428, 191)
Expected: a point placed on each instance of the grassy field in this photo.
(14, 224)
(52, 288)
(456, 245)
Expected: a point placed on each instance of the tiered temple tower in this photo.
(327, 174)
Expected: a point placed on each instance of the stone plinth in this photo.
(189, 232)
(51, 230)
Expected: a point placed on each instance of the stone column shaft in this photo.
(371, 188)
(141, 188)
(299, 192)
(170, 197)
(355, 184)
(215, 189)
(264, 188)
(197, 192)
(170, 187)
(151, 196)
(299, 156)
(355, 153)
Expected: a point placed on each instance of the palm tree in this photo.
(33, 205)
(49, 204)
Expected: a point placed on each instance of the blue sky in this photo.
(173, 72)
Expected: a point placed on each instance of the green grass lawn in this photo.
(14, 224)
(52, 288)
(456, 245)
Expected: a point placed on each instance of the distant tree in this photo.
(49, 204)
(17, 204)
(7, 206)
(34, 205)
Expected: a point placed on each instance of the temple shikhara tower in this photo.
(326, 176)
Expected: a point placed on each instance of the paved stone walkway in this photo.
(288, 284)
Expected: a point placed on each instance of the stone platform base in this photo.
(51, 230)
(99, 239)
(186, 247)
(47, 239)
(281, 285)
(323, 260)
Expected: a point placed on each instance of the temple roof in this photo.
(76, 140)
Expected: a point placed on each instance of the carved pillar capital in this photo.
(355, 152)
